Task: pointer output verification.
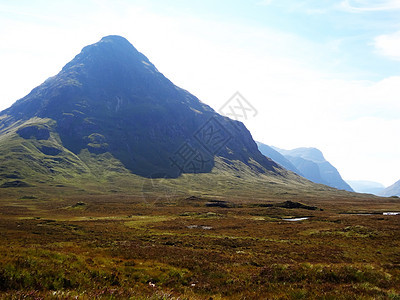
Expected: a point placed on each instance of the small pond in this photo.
(295, 219)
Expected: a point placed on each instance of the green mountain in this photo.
(111, 114)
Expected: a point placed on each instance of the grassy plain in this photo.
(153, 242)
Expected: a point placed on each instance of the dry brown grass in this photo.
(67, 244)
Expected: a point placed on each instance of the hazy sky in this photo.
(322, 74)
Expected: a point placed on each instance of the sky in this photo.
(322, 74)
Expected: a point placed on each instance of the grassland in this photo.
(153, 242)
(81, 226)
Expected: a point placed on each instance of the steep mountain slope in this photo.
(368, 187)
(313, 166)
(277, 157)
(109, 111)
(393, 190)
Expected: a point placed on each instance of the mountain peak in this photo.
(313, 165)
(112, 66)
(115, 38)
(111, 99)
(114, 52)
(113, 43)
(310, 153)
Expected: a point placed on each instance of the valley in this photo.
(57, 242)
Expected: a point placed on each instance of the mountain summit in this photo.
(111, 100)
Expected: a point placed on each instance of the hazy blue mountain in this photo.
(110, 99)
(312, 164)
(277, 157)
(393, 190)
(311, 154)
(367, 187)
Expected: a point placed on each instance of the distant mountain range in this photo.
(367, 187)
(307, 162)
(393, 190)
(278, 158)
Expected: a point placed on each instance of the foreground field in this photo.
(120, 246)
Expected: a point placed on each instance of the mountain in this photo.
(367, 187)
(393, 190)
(110, 111)
(277, 157)
(313, 166)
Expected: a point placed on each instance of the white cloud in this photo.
(370, 5)
(389, 45)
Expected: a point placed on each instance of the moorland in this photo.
(60, 242)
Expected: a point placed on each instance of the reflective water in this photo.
(296, 219)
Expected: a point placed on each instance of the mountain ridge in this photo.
(393, 190)
(310, 163)
(270, 152)
(110, 99)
